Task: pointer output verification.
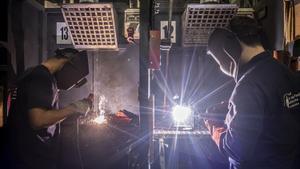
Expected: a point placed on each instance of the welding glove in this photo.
(214, 120)
(82, 106)
(216, 130)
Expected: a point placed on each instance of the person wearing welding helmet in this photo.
(261, 129)
(33, 122)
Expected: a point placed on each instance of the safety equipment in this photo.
(225, 48)
(73, 72)
(214, 118)
(67, 53)
(216, 112)
(217, 133)
(82, 106)
(215, 128)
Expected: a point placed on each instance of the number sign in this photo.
(164, 30)
(62, 33)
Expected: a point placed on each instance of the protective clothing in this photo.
(225, 48)
(214, 120)
(263, 120)
(82, 106)
(74, 71)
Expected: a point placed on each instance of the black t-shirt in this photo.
(34, 149)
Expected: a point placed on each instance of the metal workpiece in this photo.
(179, 133)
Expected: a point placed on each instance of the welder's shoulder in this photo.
(39, 73)
(35, 77)
(271, 73)
(268, 78)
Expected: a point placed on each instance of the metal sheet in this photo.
(200, 19)
(92, 26)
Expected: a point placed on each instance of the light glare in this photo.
(181, 113)
(99, 120)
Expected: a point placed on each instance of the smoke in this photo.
(115, 80)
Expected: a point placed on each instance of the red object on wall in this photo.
(282, 56)
(295, 64)
(154, 50)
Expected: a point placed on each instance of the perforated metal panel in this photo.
(200, 19)
(92, 26)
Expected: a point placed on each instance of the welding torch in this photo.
(215, 115)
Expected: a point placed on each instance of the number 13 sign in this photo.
(62, 33)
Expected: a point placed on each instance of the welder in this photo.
(261, 128)
(33, 122)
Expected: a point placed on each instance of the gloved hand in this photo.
(83, 106)
(214, 120)
(216, 129)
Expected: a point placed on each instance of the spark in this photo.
(100, 119)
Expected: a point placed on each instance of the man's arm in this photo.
(244, 122)
(42, 118)
(39, 102)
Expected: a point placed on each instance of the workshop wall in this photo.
(32, 28)
(116, 76)
(270, 14)
(297, 18)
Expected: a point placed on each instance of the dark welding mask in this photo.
(225, 48)
(73, 73)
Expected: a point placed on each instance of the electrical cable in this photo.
(170, 18)
(168, 36)
(78, 145)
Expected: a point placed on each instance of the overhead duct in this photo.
(200, 19)
(92, 26)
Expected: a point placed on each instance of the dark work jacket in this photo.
(263, 118)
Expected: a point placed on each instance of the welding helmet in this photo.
(225, 48)
(225, 44)
(73, 73)
(66, 53)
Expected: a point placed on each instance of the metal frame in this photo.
(200, 19)
(92, 26)
(171, 133)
